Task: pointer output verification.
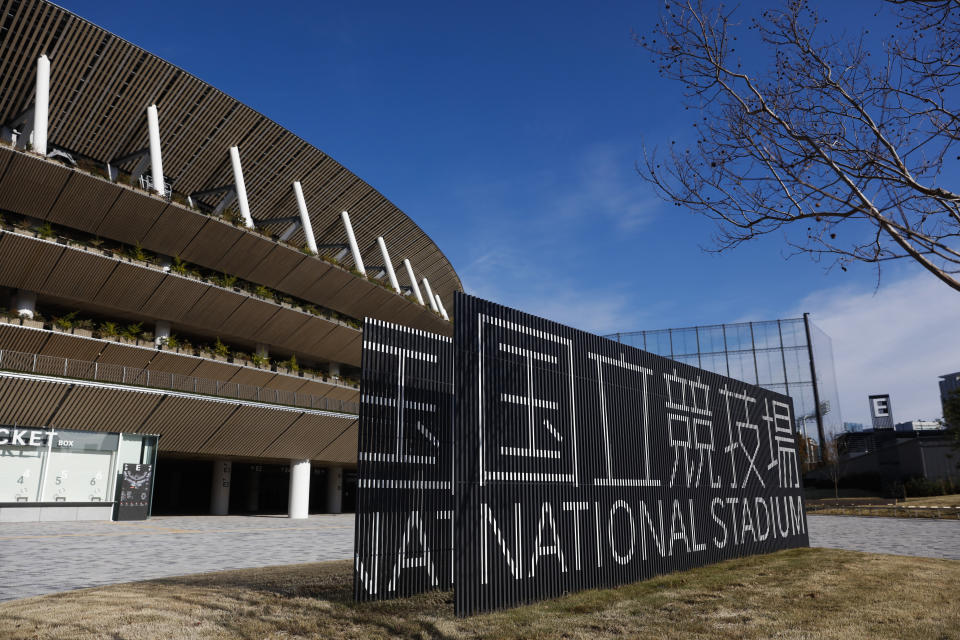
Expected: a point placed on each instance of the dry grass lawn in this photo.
(952, 500)
(802, 593)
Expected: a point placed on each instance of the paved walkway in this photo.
(45, 557)
(898, 536)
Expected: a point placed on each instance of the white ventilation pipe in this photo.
(156, 162)
(352, 239)
(433, 301)
(305, 218)
(240, 187)
(41, 106)
(387, 265)
(443, 311)
(413, 280)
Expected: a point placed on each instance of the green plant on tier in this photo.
(179, 266)
(259, 361)
(225, 281)
(262, 292)
(46, 230)
(136, 252)
(132, 331)
(292, 364)
(307, 250)
(220, 349)
(66, 321)
(109, 330)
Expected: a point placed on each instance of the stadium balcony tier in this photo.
(45, 189)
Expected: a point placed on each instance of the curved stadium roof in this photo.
(100, 88)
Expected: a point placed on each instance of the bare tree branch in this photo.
(854, 136)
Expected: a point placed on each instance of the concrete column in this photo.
(299, 505)
(413, 280)
(334, 489)
(334, 369)
(220, 487)
(387, 265)
(305, 218)
(156, 163)
(253, 490)
(161, 331)
(26, 302)
(240, 187)
(429, 292)
(41, 106)
(352, 241)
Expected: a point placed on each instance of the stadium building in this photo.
(183, 282)
(791, 356)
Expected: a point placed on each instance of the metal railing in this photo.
(120, 374)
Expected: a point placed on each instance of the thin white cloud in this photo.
(898, 340)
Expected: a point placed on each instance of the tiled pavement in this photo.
(44, 557)
(900, 536)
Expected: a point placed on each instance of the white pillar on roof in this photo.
(305, 218)
(156, 162)
(352, 240)
(413, 280)
(240, 187)
(298, 506)
(429, 291)
(41, 105)
(443, 311)
(387, 265)
(220, 487)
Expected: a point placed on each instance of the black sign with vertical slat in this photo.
(581, 462)
(404, 521)
(135, 491)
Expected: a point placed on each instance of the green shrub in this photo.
(65, 322)
(220, 349)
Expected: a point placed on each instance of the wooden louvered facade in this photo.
(99, 90)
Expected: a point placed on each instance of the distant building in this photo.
(920, 425)
(853, 427)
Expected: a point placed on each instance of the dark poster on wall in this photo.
(404, 516)
(136, 482)
(581, 462)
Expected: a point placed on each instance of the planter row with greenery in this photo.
(134, 333)
(136, 253)
(229, 214)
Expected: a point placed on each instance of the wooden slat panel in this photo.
(129, 286)
(104, 409)
(78, 275)
(30, 185)
(126, 355)
(248, 431)
(83, 202)
(65, 345)
(130, 217)
(28, 402)
(174, 298)
(22, 339)
(305, 437)
(185, 423)
(172, 362)
(343, 449)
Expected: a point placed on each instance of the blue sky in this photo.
(509, 132)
